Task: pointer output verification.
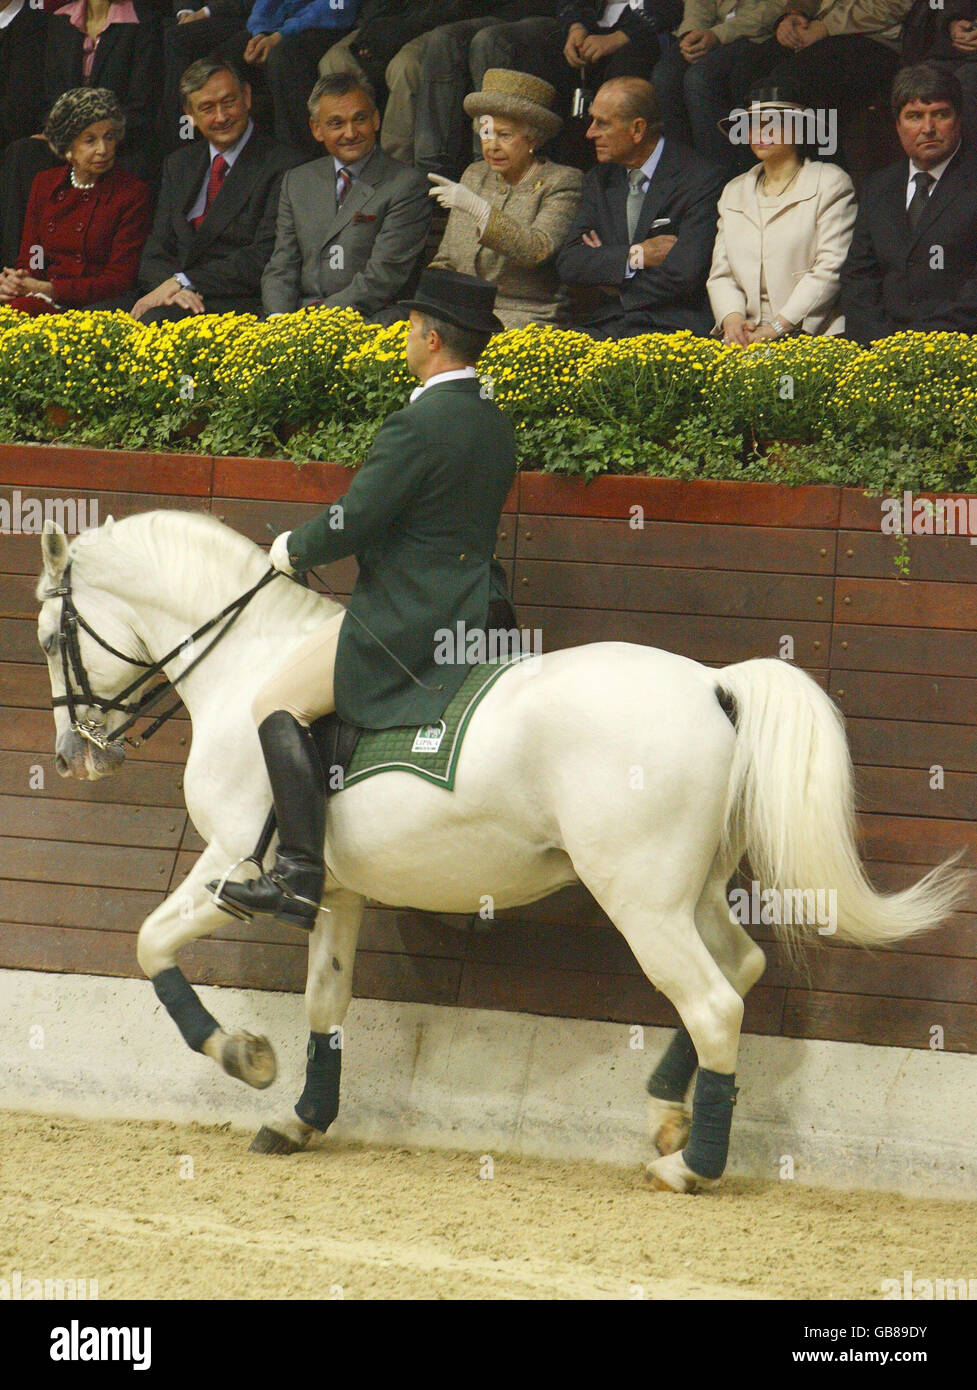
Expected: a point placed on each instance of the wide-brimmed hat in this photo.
(517, 94)
(765, 98)
(464, 300)
(77, 109)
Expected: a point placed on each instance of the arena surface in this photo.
(103, 1200)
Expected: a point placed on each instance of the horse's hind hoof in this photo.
(250, 1059)
(269, 1141)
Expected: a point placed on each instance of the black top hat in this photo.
(464, 300)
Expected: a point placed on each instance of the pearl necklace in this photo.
(76, 184)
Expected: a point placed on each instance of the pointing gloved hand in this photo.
(456, 195)
(278, 554)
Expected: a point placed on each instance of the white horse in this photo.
(611, 764)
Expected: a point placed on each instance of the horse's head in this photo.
(81, 670)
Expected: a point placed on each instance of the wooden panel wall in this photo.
(719, 572)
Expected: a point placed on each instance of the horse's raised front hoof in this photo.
(672, 1174)
(251, 1059)
(269, 1141)
(669, 1123)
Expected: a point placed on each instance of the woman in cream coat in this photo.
(511, 211)
(783, 235)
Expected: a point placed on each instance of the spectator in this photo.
(22, 32)
(351, 226)
(91, 43)
(784, 231)
(654, 278)
(512, 210)
(280, 49)
(215, 221)
(418, 49)
(586, 43)
(86, 223)
(198, 31)
(840, 53)
(719, 56)
(913, 257)
(954, 46)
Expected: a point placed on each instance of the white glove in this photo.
(278, 554)
(456, 195)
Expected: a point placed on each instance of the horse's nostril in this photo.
(61, 765)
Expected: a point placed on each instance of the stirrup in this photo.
(289, 896)
(217, 896)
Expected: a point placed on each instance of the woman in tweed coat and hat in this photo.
(511, 211)
(86, 223)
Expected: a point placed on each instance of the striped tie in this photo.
(345, 184)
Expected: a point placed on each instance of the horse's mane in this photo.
(212, 563)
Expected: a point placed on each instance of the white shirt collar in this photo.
(460, 374)
(231, 154)
(935, 173)
(651, 163)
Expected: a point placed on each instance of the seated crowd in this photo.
(291, 153)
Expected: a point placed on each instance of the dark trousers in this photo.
(183, 44)
(287, 78)
(842, 72)
(694, 97)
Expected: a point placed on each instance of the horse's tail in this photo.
(790, 801)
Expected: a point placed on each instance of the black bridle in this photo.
(73, 668)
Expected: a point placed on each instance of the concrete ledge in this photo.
(846, 1115)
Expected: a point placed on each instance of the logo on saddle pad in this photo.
(428, 739)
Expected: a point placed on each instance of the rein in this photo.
(73, 666)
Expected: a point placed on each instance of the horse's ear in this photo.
(54, 549)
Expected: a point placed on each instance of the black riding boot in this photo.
(292, 890)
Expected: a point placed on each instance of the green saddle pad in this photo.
(431, 751)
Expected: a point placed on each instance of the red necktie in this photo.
(346, 183)
(217, 172)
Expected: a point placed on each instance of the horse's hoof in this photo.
(672, 1174)
(269, 1141)
(251, 1059)
(669, 1123)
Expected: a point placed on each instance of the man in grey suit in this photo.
(352, 226)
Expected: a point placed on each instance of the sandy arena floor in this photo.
(106, 1201)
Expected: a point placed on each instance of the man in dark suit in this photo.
(421, 517)
(215, 219)
(912, 263)
(352, 226)
(646, 224)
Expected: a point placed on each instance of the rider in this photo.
(421, 517)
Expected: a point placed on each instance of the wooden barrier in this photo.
(718, 571)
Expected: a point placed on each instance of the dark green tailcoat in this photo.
(421, 517)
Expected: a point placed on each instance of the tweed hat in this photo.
(75, 111)
(517, 94)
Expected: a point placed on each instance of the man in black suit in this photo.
(646, 224)
(912, 263)
(215, 220)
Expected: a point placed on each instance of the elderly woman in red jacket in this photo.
(86, 223)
